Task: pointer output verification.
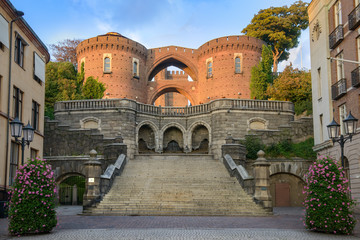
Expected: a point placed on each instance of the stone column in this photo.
(92, 181)
(262, 181)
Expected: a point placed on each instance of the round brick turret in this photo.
(122, 82)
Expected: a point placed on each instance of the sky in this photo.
(153, 23)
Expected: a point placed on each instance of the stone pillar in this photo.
(92, 181)
(262, 181)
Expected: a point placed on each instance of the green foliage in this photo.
(93, 89)
(63, 83)
(60, 85)
(279, 27)
(261, 75)
(32, 203)
(293, 85)
(327, 202)
(304, 149)
(253, 145)
(303, 106)
(284, 148)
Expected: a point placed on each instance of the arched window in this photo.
(209, 69)
(237, 65)
(135, 69)
(107, 64)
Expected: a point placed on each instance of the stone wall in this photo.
(125, 118)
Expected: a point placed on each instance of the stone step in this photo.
(186, 184)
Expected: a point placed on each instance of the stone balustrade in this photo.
(219, 104)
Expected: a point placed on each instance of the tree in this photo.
(280, 28)
(93, 89)
(293, 85)
(261, 75)
(65, 51)
(61, 84)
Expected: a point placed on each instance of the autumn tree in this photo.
(65, 51)
(280, 28)
(261, 75)
(93, 89)
(293, 85)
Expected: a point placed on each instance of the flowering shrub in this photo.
(327, 202)
(32, 203)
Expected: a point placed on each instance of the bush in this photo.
(253, 145)
(304, 149)
(32, 203)
(327, 203)
(284, 148)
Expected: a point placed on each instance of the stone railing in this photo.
(110, 173)
(220, 104)
(238, 171)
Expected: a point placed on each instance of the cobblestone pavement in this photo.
(165, 233)
(284, 224)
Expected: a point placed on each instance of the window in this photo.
(135, 67)
(338, 15)
(358, 48)
(35, 115)
(319, 82)
(14, 161)
(107, 64)
(4, 29)
(340, 67)
(237, 65)
(19, 51)
(39, 68)
(17, 103)
(342, 116)
(209, 70)
(321, 128)
(34, 153)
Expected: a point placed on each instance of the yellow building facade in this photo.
(22, 89)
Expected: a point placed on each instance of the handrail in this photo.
(219, 104)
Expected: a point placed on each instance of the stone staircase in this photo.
(176, 185)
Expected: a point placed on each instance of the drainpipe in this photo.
(18, 14)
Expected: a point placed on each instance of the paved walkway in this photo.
(285, 224)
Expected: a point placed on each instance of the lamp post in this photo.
(16, 131)
(350, 129)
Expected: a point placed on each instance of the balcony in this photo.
(354, 18)
(338, 89)
(336, 36)
(355, 77)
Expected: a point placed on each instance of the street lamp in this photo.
(350, 129)
(16, 131)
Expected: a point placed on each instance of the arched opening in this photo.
(286, 190)
(146, 142)
(200, 140)
(172, 61)
(173, 98)
(71, 190)
(159, 97)
(173, 141)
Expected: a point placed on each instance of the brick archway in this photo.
(172, 60)
(172, 88)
